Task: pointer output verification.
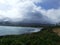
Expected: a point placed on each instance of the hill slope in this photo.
(44, 37)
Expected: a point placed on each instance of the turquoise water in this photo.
(10, 30)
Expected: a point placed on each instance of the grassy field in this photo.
(45, 37)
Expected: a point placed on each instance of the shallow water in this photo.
(10, 30)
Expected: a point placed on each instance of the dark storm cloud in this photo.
(37, 17)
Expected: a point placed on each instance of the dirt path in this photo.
(57, 30)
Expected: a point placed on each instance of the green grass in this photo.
(44, 37)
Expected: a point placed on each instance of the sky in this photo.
(44, 11)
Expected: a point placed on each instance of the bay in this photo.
(10, 30)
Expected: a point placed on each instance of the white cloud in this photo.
(15, 9)
(53, 14)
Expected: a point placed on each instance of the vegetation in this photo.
(44, 37)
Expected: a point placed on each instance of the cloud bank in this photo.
(30, 10)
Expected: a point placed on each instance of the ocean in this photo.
(12, 30)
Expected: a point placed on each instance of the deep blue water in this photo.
(10, 30)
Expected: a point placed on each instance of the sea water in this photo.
(11, 30)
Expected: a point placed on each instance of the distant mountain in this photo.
(9, 23)
(26, 22)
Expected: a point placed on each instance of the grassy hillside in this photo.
(44, 37)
